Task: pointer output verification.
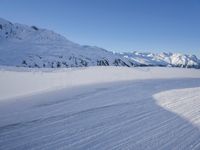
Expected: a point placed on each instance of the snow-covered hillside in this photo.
(22, 45)
(26, 46)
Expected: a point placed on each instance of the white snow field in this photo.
(100, 108)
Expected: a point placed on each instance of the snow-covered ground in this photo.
(22, 81)
(100, 108)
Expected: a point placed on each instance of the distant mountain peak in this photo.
(164, 59)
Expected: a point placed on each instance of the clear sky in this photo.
(117, 25)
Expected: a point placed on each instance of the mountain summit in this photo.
(30, 46)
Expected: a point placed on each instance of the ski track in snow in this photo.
(140, 114)
(123, 116)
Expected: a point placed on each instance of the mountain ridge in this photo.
(30, 46)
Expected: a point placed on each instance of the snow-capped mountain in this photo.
(164, 59)
(26, 46)
(30, 46)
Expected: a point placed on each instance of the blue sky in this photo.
(117, 25)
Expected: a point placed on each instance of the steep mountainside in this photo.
(22, 45)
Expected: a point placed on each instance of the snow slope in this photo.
(184, 99)
(20, 81)
(26, 46)
(100, 108)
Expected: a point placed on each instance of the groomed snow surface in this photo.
(100, 108)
